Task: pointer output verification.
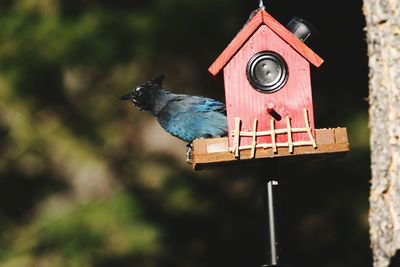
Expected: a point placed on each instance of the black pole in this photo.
(272, 248)
(269, 192)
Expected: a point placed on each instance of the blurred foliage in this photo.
(88, 181)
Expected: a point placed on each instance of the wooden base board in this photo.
(212, 153)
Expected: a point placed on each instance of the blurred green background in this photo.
(87, 180)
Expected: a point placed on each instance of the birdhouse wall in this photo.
(243, 101)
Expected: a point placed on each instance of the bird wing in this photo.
(190, 117)
(201, 104)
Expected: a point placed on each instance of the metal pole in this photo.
(272, 248)
(273, 244)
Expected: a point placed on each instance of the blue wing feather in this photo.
(191, 117)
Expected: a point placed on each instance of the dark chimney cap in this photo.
(301, 28)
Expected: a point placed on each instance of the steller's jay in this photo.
(184, 116)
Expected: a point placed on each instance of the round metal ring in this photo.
(267, 71)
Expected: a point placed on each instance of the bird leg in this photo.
(189, 153)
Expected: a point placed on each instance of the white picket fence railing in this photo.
(237, 134)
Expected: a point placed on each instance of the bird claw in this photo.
(189, 153)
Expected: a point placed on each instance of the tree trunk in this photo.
(383, 36)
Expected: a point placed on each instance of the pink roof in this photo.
(262, 17)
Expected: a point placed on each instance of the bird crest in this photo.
(158, 80)
(143, 95)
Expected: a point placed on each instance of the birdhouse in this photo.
(267, 83)
(266, 70)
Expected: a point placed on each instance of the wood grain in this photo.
(243, 101)
(330, 142)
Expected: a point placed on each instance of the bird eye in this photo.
(139, 91)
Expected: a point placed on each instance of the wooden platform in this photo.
(212, 153)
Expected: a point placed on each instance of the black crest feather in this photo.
(158, 80)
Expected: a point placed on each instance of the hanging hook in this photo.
(262, 4)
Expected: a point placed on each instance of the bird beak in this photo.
(126, 97)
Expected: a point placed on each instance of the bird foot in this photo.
(189, 153)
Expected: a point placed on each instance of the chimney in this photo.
(301, 28)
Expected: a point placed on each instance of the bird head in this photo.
(143, 95)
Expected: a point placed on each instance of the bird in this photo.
(186, 117)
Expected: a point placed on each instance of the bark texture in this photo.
(383, 36)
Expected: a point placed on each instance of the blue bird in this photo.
(184, 116)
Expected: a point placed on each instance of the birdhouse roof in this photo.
(262, 17)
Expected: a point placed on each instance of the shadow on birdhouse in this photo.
(269, 105)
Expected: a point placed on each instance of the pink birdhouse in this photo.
(267, 85)
(266, 70)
